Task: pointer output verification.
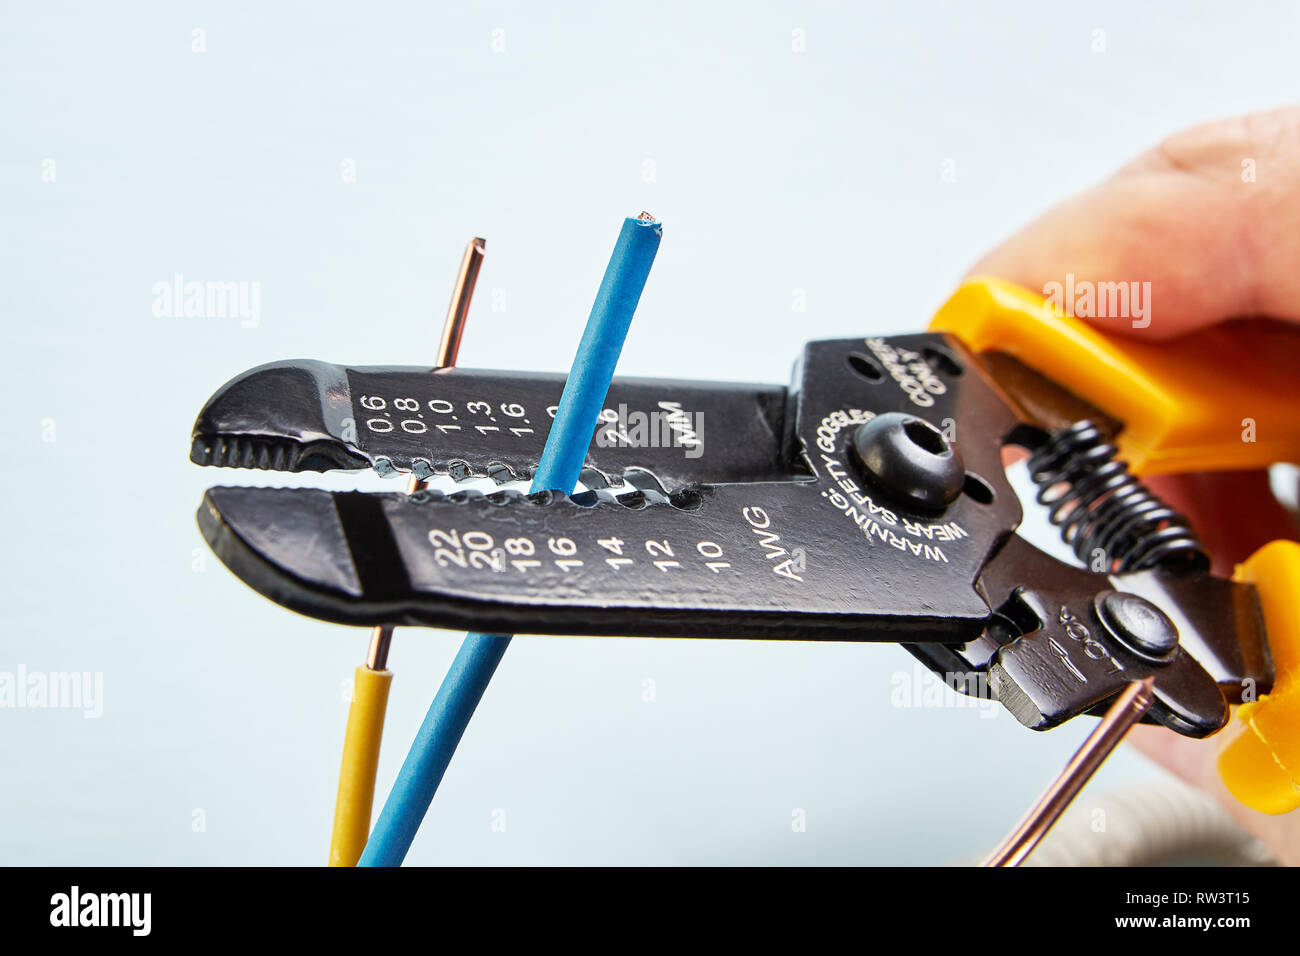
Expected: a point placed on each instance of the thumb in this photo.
(1210, 217)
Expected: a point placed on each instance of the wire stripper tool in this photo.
(865, 501)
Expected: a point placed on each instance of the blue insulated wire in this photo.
(558, 470)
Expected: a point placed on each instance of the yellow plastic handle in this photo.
(360, 762)
(1223, 398)
(1220, 399)
(1260, 765)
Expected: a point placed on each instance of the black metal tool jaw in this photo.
(305, 415)
(1069, 641)
(867, 502)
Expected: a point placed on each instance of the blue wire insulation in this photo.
(558, 470)
(593, 367)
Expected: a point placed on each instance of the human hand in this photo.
(1211, 218)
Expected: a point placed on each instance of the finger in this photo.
(1194, 761)
(1233, 512)
(1210, 217)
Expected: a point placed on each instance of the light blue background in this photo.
(774, 171)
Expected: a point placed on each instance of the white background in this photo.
(774, 171)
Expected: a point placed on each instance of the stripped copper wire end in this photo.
(453, 327)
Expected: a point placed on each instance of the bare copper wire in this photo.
(1128, 709)
(453, 327)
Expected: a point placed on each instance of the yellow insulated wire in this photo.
(360, 761)
(370, 687)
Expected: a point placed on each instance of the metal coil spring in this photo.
(1104, 512)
